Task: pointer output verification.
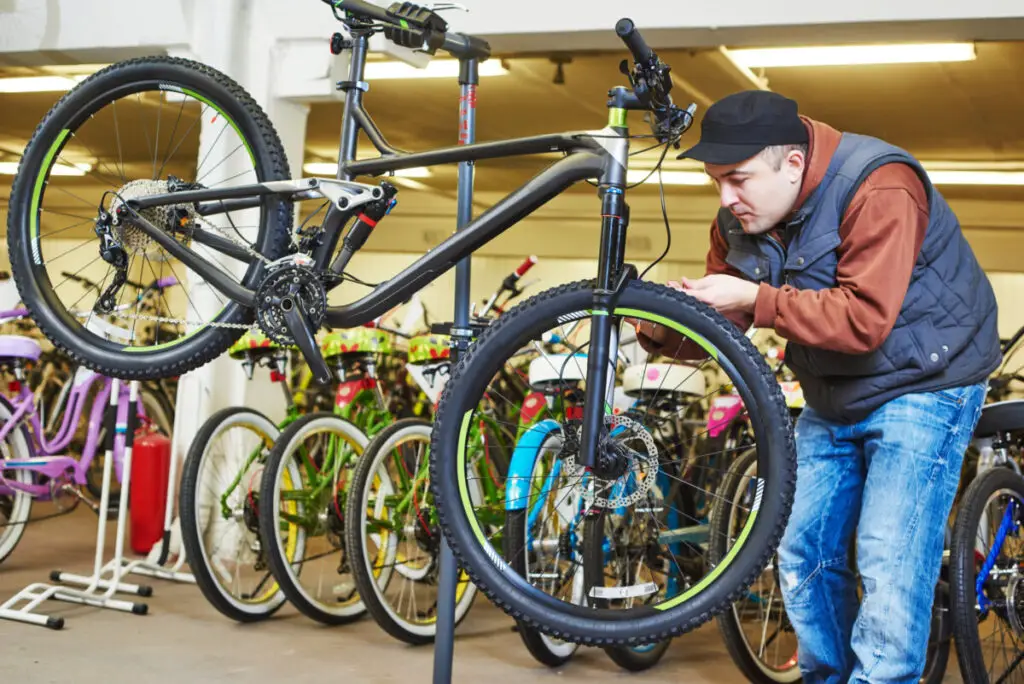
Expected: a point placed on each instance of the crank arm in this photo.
(306, 342)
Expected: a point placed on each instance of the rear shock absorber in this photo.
(364, 225)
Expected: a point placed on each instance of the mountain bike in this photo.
(230, 224)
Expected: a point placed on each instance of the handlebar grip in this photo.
(526, 266)
(627, 31)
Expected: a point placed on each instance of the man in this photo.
(840, 243)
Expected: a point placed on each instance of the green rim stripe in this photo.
(707, 346)
(460, 464)
(37, 191)
(741, 540)
(617, 117)
(719, 569)
(231, 121)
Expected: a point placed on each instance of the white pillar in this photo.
(231, 36)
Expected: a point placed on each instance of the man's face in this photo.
(756, 192)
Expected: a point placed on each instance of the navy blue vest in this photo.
(946, 332)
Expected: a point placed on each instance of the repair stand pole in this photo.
(444, 641)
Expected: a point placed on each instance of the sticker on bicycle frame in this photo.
(634, 591)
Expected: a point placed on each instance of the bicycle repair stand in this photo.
(119, 425)
(444, 641)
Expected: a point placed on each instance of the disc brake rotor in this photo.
(641, 469)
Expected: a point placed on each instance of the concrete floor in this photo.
(183, 639)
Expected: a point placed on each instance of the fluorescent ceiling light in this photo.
(438, 68)
(330, 169)
(38, 84)
(668, 177)
(11, 168)
(974, 172)
(841, 55)
(976, 177)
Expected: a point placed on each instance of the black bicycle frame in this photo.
(588, 157)
(600, 155)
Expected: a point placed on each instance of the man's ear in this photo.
(794, 165)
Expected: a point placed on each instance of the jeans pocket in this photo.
(953, 397)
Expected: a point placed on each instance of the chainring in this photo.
(285, 287)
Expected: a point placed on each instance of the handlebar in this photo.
(651, 84)
(642, 53)
(1008, 344)
(13, 314)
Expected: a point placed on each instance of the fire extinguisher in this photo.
(151, 460)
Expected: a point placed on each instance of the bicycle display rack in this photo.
(99, 588)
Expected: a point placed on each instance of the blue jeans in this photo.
(891, 477)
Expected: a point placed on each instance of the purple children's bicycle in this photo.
(35, 465)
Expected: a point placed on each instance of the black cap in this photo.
(740, 125)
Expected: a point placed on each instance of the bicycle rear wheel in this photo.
(133, 130)
(302, 504)
(551, 328)
(219, 510)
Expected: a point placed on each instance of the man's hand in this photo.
(726, 293)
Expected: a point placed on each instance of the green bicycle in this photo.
(218, 500)
(306, 478)
(391, 524)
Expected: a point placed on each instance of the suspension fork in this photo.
(612, 278)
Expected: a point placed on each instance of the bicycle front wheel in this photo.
(393, 540)
(546, 339)
(985, 577)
